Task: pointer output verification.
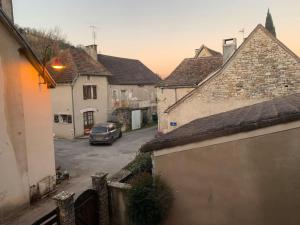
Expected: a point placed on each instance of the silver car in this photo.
(105, 133)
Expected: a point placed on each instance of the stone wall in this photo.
(261, 70)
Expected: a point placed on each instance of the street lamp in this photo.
(55, 64)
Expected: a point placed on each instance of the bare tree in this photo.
(45, 43)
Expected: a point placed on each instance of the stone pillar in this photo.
(65, 203)
(100, 185)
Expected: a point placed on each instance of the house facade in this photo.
(80, 99)
(131, 91)
(236, 167)
(260, 69)
(184, 79)
(27, 164)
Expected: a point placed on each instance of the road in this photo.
(82, 161)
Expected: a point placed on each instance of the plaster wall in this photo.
(26, 148)
(165, 98)
(248, 181)
(99, 104)
(62, 104)
(135, 96)
(7, 7)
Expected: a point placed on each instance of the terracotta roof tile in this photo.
(76, 61)
(192, 71)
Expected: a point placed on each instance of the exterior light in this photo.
(57, 65)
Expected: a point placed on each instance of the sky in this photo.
(160, 33)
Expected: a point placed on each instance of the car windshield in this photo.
(99, 130)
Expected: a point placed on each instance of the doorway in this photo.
(88, 121)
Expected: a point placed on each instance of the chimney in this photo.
(229, 47)
(7, 7)
(92, 51)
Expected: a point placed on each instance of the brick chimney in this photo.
(7, 7)
(229, 47)
(92, 51)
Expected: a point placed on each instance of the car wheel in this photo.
(91, 143)
(120, 134)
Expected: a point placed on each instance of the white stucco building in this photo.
(27, 165)
(80, 99)
(131, 90)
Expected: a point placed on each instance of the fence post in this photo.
(65, 203)
(99, 182)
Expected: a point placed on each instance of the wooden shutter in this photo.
(56, 119)
(85, 92)
(94, 92)
(69, 119)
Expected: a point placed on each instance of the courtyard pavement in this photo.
(82, 161)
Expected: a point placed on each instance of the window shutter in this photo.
(56, 119)
(94, 92)
(69, 119)
(84, 92)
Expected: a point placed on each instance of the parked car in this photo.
(105, 133)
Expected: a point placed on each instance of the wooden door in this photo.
(88, 121)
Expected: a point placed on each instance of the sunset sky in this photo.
(160, 33)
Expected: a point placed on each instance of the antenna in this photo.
(243, 32)
(94, 34)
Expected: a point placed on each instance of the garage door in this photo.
(136, 119)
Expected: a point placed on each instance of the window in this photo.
(63, 118)
(89, 92)
(123, 95)
(56, 118)
(115, 95)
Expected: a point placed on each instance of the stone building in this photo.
(80, 98)
(185, 78)
(260, 69)
(27, 164)
(236, 167)
(131, 91)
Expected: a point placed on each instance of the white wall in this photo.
(135, 95)
(99, 104)
(62, 104)
(26, 147)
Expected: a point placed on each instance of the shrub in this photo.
(142, 163)
(149, 200)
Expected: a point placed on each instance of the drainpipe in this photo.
(73, 110)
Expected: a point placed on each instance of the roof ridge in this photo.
(216, 73)
(118, 57)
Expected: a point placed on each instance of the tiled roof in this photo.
(229, 61)
(209, 51)
(265, 114)
(128, 71)
(192, 71)
(76, 62)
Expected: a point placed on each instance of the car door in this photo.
(114, 132)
